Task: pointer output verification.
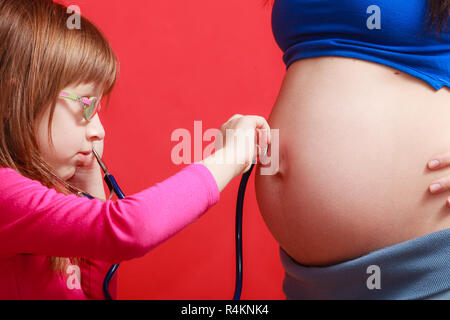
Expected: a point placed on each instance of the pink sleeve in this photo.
(38, 220)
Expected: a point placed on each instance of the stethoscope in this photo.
(114, 188)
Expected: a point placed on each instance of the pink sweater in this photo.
(39, 222)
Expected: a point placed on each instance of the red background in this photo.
(182, 61)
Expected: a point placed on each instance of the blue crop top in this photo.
(389, 32)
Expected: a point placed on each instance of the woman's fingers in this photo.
(438, 186)
(433, 164)
(439, 161)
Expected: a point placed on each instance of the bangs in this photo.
(87, 57)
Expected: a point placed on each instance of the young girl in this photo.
(56, 244)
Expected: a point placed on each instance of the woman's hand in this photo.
(440, 161)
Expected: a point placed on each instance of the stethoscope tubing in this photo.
(238, 233)
(113, 185)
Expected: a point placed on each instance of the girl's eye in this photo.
(85, 99)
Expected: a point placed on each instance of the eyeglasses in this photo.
(90, 105)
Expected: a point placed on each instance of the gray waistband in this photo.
(415, 269)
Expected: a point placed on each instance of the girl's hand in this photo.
(241, 135)
(440, 161)
(232, 158)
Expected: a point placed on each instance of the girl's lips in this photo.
(84, 158)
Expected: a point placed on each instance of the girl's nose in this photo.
(95, 130)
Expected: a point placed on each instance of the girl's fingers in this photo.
(257, 122)
(235, 116)
(262, 125)
(263, 137)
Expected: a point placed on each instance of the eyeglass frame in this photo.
(85, 103)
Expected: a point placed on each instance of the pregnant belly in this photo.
(354, 141)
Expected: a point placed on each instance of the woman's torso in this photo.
(354, 141)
